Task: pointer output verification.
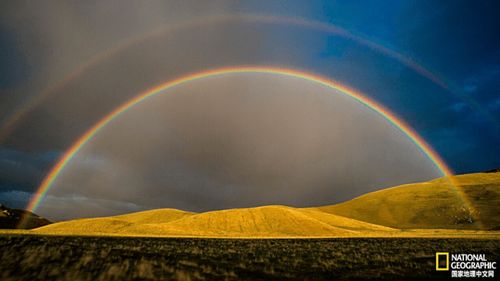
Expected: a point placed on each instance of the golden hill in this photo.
(433, 204)
(268, 221)
(154, 216)
(114, 224)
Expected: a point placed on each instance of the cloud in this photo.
(71, 206)
(458, 106)
(15, 198)
(21, 170)
(57, 208)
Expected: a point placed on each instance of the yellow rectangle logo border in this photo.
(447, 255)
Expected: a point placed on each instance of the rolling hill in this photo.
(115, 224)
(419, 209)
(433, 204)
(268, 221)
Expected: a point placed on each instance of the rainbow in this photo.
(87, 136)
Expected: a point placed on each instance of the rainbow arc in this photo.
(48, 182)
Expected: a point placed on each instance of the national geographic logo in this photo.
(442, 261)
(465, 265)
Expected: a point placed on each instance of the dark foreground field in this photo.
(98, 258)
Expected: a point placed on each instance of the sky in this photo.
(65, 64)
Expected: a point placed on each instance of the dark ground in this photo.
(99, 258)
(11, 218)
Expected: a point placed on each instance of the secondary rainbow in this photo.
(11, 121)
(73, 150)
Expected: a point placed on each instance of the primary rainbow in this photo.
(73, 150)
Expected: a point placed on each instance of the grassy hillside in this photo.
(113, 224)
(433, 204)
(154, 216)
(268, 221)
(429, 205)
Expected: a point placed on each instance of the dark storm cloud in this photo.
(88, 207)
(20, 170)
(460, 40)
(14, 198)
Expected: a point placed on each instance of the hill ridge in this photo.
(263, 221)
(431, 204)
(426, 205)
